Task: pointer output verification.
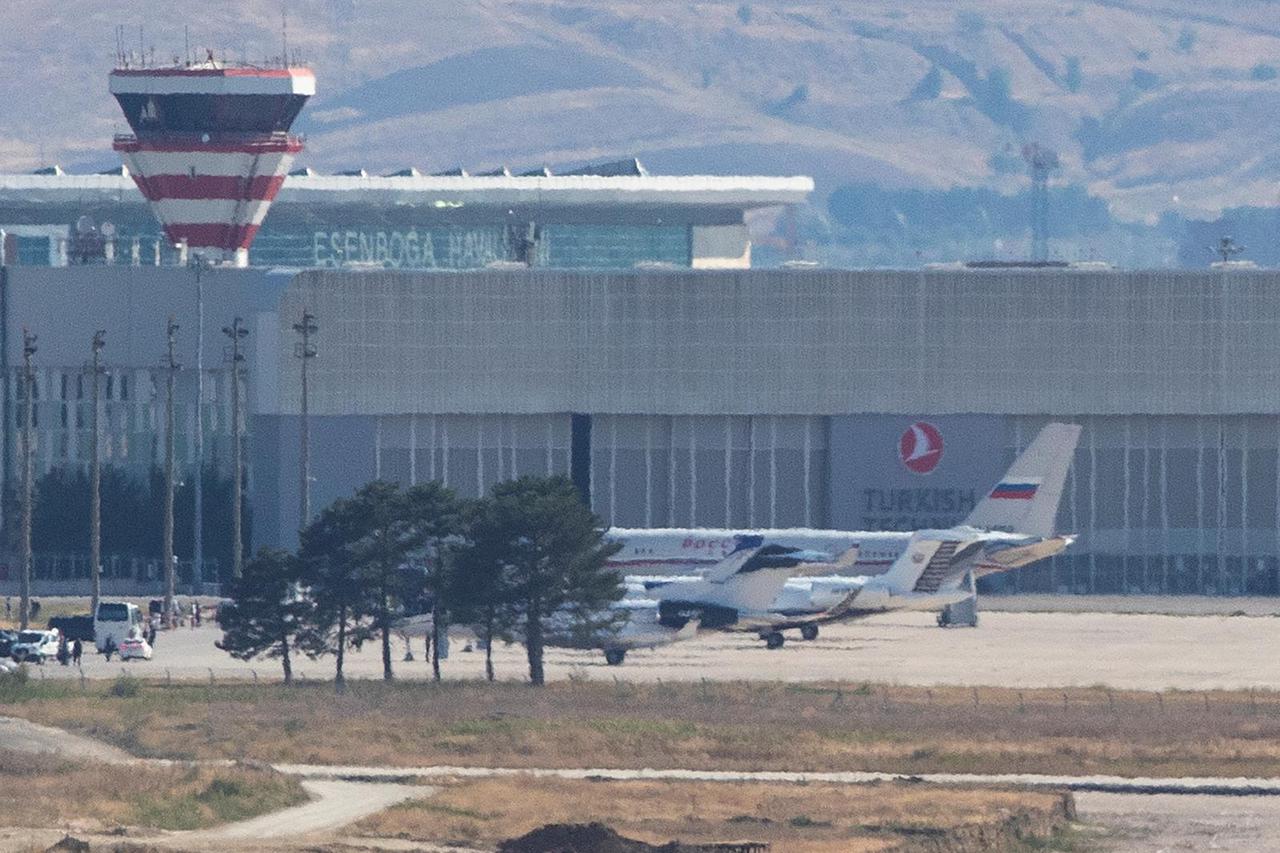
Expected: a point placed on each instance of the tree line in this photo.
(132, 507)
(515, 564)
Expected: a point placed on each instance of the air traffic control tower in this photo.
(210, 147)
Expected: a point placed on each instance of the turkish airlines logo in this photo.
(920, 447)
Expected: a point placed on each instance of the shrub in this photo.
(125, 687)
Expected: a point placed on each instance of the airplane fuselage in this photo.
(684, 551)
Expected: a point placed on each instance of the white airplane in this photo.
(1011, 527)
(734, 595)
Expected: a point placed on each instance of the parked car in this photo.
(135, 648)
(35, 646)
(7, 639)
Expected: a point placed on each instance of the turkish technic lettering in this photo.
(427, 248)
(915, 509)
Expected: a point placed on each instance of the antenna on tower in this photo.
(1040, 162)
(1226, 249)
(284, 34)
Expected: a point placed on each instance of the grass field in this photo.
(807, 819)
(42, 792)
(705, 726)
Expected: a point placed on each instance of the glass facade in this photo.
(406, 247)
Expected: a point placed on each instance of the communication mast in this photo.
(1040, 162)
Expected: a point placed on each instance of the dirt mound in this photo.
(71, 844)
(580, 838)
(68, 844)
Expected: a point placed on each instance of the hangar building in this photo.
(725, 398)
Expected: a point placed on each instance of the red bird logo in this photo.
(920, 447)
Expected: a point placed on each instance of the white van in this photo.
(114, 621)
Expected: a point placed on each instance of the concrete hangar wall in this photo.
(757, 397)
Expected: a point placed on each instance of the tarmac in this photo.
(1147, 651)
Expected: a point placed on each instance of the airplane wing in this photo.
(1017, 556)
(843, 564)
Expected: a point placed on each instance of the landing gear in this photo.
(808, 632)
(962, 613)
(773, 640)
(615, 657)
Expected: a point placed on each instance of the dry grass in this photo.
(712, 726)
(806, 818)
(40, 791)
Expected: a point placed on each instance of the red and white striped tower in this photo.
(210, 147)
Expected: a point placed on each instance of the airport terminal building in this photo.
(608, 216)
(734, 398)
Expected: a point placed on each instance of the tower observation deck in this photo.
(210, 147)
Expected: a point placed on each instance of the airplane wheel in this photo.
(614, 657)
(809, 632)
(774, 640)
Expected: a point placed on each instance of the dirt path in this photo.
(1237, 787)
(334, 804)
(24, 736)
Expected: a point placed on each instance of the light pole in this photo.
(305, 352)
(95, 477)
(236, 332)
(171, 369)
(197, 532)
(28, 392)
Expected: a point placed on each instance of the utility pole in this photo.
(305, 351)
(28, 393)
(171, 367)
(95, 478)
(236, 332)
(197, 532)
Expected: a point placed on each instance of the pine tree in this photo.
(269, 616)
(543, 555)
(367, 555)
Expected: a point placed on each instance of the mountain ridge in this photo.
(1155, 107)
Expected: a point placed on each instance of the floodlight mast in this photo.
(237, 333)
(95, 474)
(305, 351)
(28, 393)
(171, 370)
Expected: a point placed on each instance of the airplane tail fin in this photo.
(745, 548)
(1027, 496)
(750, 579)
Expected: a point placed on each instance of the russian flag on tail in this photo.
(1017, 490)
